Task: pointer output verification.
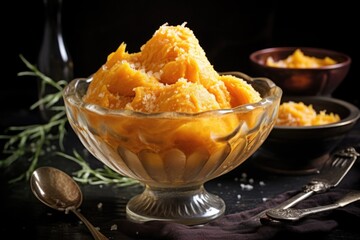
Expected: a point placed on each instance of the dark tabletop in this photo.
(104, 205)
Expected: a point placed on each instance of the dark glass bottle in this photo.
(54, 59)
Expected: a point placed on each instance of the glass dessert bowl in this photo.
(173, 154)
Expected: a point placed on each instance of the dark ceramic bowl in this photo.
(302, 81)
(303, 150)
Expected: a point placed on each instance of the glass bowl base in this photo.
(189, 206)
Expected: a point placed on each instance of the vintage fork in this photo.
(333, 171)
(330, 176)
(293, 214)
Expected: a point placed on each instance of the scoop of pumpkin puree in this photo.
(170, 73)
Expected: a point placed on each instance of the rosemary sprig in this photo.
(31, 142)
(104, 175)
(49, 100)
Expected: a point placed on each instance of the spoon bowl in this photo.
(59, 191)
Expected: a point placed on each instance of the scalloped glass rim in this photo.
(273, 94)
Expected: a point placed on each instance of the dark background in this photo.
(227, 30)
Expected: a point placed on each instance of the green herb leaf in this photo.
(104, 175)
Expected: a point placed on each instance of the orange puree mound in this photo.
(170, 73)
(181, 96)
(299, 114)
(299, 60)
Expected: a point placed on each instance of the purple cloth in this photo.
(240, 225)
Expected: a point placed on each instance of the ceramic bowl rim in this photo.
(254, 57)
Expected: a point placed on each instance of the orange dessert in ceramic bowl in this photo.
(302, 71)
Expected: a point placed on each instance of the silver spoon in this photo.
(58, 190)
(292, 214)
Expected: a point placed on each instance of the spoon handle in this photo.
(94, 231)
